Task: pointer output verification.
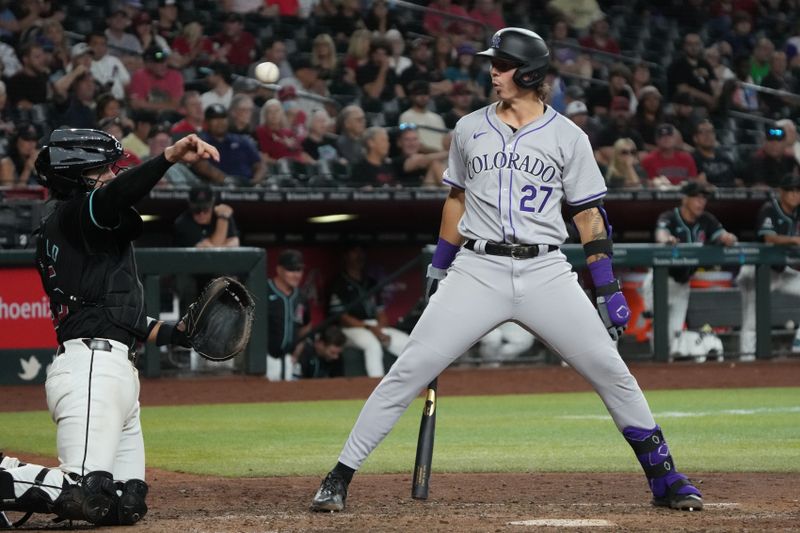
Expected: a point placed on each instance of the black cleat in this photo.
(331, 495)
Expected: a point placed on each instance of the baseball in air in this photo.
(267, 72)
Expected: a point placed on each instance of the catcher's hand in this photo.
(219, 323)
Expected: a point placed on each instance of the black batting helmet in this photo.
(69, 153)
(525, 48)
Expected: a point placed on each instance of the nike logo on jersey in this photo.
(478, 134)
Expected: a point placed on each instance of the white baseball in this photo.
(267, 72)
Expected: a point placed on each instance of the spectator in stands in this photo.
(414, 168)
(667, 159)
(578, 113)
(192, 47)
(108, 70)
(239, 161)
(684, 116)
(490, 16)
(241, 115)
(599, 38)
(220, 90)
(776, 224)
(144, 32)
(443, 53)
(357, 52)
(168, 26)
(688, 223)
(721, 71)
(736, 94)
(618, 127)
(740, 37)
(322, 356)
(379, 18)
(288, 315)
(191, 107)
(567, 58)
(770, 163)
(421, 69)
(320, 144)
(113, 126)
(160, 138)
(461, 101)
(276, 140)
(77, 108)
(397, 60)
(624, 170)
(52, 29)
(692, 74)
(296, 118)
(466, 70)
(306, 79)
(640, 78)
(375, 169)
(80, 63)
(136, 140)
(9, 63)
(419, 114)
(106, 106)
(600, 98)
(713, 166)
(206, 224)
(17, 168)
(120, 42)
(323, 57)
(578, 15)
(792, 147)
(29, 86)
(760, 60)
(437, 25)
(362, 316)
(376, 79)
(156, 87)
(275, 52)
(6, 123)
(351, 123)
(649, 114)
(236, 45)
(347, 19)
(779, 79)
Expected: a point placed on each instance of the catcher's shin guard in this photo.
(670, 488)
(90, 499)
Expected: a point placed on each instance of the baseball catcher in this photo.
(88, 269)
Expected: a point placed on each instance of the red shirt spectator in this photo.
(236, 45)
(599, 38)
(439, 25)
(275, 138)
(156, 87)
(286, 8)
(488, 13)
(676, 165)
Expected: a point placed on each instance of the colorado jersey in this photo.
(515, 181)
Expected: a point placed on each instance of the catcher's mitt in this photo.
(219, 323)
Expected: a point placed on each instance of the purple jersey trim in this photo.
(499, 174)
(456, 185)
(511, 173)
(588, 198)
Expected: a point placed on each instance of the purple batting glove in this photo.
(615, 313)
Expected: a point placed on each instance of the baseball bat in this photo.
(427, 428)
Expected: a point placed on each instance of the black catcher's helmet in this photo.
(69, 153)
(525, 48)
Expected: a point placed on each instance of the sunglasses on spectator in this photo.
(407, 126)
(503, 65)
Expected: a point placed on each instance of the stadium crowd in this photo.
(667, 91)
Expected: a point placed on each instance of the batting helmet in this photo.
(69, 153)
(525, 48)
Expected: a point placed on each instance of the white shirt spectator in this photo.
(109, 69)
(209, 98)
(11, 64)
(126, 44)
(431, 140)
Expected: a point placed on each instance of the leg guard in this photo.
(33, 500)
(129, 504)
(670, 488)
(90, 499)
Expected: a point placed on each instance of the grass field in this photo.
(731, 430)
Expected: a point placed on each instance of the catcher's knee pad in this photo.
(129, 504)
(89, 499)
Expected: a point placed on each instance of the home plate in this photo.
(563, 522)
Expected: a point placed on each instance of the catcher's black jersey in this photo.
(706, 229)
(285, 315)
(346, 290)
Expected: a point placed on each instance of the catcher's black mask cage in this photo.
(525, 48)
(64, 160)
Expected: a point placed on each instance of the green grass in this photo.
(708, 430)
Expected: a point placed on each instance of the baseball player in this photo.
(512, 164)
(777, 223)
(687, 223)
(85, 258)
